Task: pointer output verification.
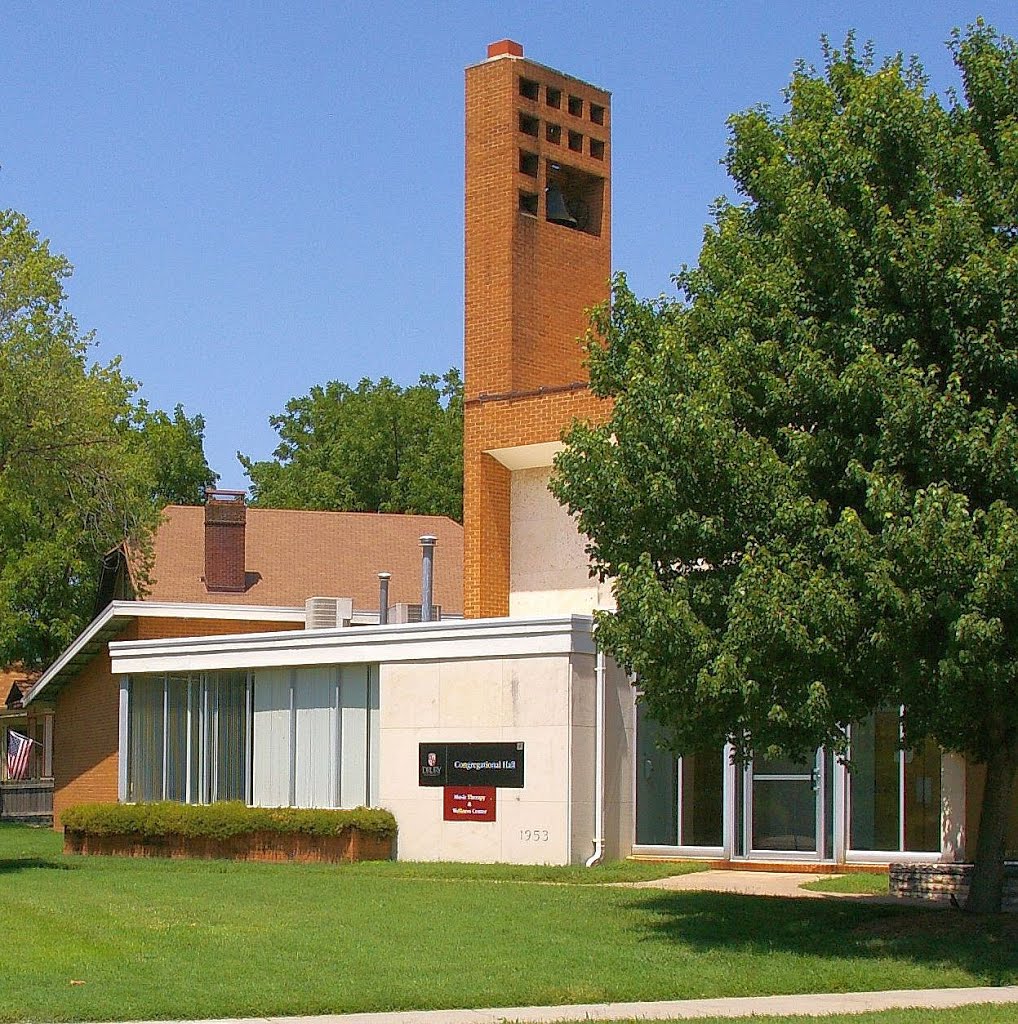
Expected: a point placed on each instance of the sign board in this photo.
(469, 803)
(471, 764)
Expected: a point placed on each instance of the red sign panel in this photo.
(469, 803)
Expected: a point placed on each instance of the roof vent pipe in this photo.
(383, 597)
(427, 576)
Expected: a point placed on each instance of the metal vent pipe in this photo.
(427, 576)
(383, 597)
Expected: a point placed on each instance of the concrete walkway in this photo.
(746, 883)
(771, 883)
(680, 1009)
(788, 884)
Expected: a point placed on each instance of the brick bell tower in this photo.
(538, 256)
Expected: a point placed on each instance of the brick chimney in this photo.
(505, 48)
(225, 525)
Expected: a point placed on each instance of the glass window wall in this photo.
(887, 803)
(187, 737)
(303, 737)
(679, 801)
(315, 736)
(894, 794)
(145, 739)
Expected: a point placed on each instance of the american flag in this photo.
(18, 749)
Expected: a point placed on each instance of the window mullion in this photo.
(166, 732)
(901, 779)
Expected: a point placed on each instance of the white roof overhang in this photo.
(527, 456)
(425, 641)
(117, 614)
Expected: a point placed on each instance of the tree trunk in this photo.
(987, 887)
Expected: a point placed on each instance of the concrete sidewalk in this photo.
(787, 884)
(747, 883)
(772, 883)
(679, 1009)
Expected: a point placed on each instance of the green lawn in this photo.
(857, 882)
(108, 938)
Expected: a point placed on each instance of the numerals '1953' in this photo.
(534, 835)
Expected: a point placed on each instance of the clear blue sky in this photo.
(261, 197)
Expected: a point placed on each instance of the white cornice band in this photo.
(426, 641)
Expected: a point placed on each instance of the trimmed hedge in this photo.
(222, 820)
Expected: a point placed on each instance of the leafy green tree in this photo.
(807, 490)
(82, 465)
(373, 448)
(175, 449)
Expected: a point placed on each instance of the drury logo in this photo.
(432, 769)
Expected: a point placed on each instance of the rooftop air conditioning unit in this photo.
(403, 613)
(327, 612)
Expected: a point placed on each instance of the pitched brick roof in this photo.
(15, 676)
(293, 555)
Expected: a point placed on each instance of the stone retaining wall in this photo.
(350, 845)
(941, 881)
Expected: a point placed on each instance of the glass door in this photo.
(657, 799)
(785, 808)
(679, 801)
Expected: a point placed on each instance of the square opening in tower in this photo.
(528, 203)
(583, 195)
(529, 125)
(529, 89)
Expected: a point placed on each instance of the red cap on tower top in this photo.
(505, 48)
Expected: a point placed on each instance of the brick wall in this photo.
(154, 628)
(504, 423)
(86, 726)
(529, 284)
(85, 733)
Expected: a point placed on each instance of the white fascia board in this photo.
(125, 611)
(112, 611)
(425, 641)
(242, 612)
(527, 456)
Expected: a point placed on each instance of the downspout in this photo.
(599, 697)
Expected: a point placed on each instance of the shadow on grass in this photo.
(12, 864)
(985, 946)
